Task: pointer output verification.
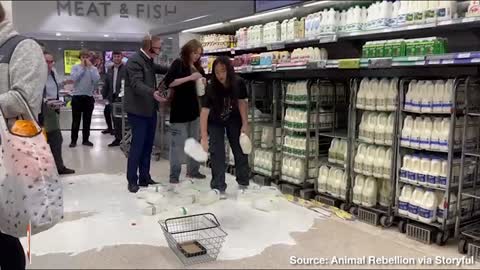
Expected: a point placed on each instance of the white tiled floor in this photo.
(327, 238)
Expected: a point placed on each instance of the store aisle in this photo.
(325, 239)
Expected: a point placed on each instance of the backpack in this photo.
(31, 195)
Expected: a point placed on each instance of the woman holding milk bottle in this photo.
(224, 110)
(186, 80)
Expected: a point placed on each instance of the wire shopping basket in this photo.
(194, 239)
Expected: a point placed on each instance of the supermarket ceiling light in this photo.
(316, 3)
(256, 16)
(106, 35)
(205, 27)
(58, 34)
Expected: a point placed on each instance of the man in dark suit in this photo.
(111, 90)
(142, 109)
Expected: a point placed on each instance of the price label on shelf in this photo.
(434, 62)
(475, 60)
(248, 69)
(275, 46)
(447, 62)
(464, 55)
(380, 63)
(316, 64)
(349, 63)
(327, 39)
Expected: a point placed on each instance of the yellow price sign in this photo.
(70, 58)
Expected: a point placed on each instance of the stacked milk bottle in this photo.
(377, 127)
(368, 191)
(429, 96)
(373, 161)
(263, 162)
(420, 12)
(297, 145)
(337, 153)
(294, 169)
(332, 181)
(296, 119)
(377, 95)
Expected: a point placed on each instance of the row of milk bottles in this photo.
(333, 181)
(299, 144)
(299, 117)
(430, 133)
(294, 167)
(420, 12)
(373, 161)
(338, 151)
(377, 128)
(425, 205)
(418, 169)
(309, 54)
(264, 160)
(377, 95)
(429, 96)
(368, 191)
(298, 91)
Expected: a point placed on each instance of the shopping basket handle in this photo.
(215, 221)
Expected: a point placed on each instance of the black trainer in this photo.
(72, 145)
(114, 143)
(133, 188)
(87, 143)
(197, 175)
(65, 170)
(107, 131)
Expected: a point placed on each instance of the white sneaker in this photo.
(172, 187)
(223, 195)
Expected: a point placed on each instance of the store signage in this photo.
(126, 9)
(70, 59)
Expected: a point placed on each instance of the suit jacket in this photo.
(140, 85)
(108, 92)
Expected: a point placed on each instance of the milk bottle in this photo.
(428, 208)
(369, 159)
(404, 200)
(370, 95)
(431, 12)
(435, 170)
(416, 133)
(380, 129)
(444, 205)
(407, 129)
(444, 135)
(415, 169)
(316, 18)
(391, 98)
(369, 194)
(362, 127)
(415, 203)
(427, 94)
(337, 183)
(358, 189)
(378, 162)
(359, 158)
(299, 169)
(426, 133)
(370, 127)
(362, 93)
(447, 97)
(322, 179)
(386, 189)
(445, 10)
(406, 166)
(424, 170)
(409, 97)
(331, 151)
(387, 164)
(442, 178)
(283, 30)
(418, 95)
(436, 134)
(389, 129)
(437, 100)
(331, 180)
(381, 95)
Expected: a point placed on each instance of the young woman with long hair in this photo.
(224, 111)
(184, 107)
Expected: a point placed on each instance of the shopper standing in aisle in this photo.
(22, 69)
(85, 77)
(184, 107)
(51, 115)
(110, 92)
(142, 110)
(224, 110)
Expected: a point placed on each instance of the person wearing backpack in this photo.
(23, 70)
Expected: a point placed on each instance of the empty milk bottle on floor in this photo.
(404, 200)
(415, 203)
(428, 209)
(358, 189)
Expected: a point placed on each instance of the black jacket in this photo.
(140, 85)
(108, 92)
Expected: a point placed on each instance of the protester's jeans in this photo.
(216, 133)
(180, 132)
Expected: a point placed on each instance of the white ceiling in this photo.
(82, 36)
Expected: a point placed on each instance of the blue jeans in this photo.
(143, 135)
(180, 132)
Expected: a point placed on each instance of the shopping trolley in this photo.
(194, 239)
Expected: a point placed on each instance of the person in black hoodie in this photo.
(141, 107)
(110, 91)
(224, 110)
(51, 116)
(184, 108)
